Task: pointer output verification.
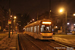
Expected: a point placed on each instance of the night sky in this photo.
(33, 6)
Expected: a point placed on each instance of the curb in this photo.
(17, 43)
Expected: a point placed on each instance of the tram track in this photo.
(60, 46)
(54, 44)
(27, 45)
(46, 47)
(42, 45)
(65, 45)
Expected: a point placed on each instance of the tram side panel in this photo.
(37, 34)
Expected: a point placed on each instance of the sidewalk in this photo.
(65, 39)
(3, 35)
(9, 43)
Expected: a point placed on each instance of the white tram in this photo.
(40, 29)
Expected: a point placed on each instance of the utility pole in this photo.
(12, 23)
(66, 22)
(9, 18)
(37, 16)
(49, 9)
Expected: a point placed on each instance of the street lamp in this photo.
(61, 10)
(65, 21)
(15, 23)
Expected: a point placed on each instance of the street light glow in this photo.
(61, 10)
(56, 26)
(68, 23)
(14, 17)
(74, 24)
(74, 14)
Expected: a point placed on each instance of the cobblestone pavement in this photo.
(9, 43)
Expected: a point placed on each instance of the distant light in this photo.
(50, 10)
(10, 15)
(68, 23)
(74, 24)
(33, 19)
(14, 17)
(23, 28)
(73, 14)
(30, 21)
(19, 25)
(56, 26)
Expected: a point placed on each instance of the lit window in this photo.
(34, 28)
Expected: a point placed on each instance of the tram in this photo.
(41, 29)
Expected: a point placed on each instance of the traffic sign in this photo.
(9, 21)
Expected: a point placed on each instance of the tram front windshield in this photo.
(46, 28)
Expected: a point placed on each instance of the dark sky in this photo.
(34, 6)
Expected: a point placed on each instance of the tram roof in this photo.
(37, 22)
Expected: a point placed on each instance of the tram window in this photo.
(45, 28)
(42, 28)
(27, 29)
(31, 29)
(34, 28)
(38, 28)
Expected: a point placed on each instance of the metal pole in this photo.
(37, 16)
(12, 24)
(9, 18)
(66, 22)
(49, 9)
(9, 30)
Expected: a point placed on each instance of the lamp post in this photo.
(9, 19)
(64, 21)
(14, 23)
(49, 9)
